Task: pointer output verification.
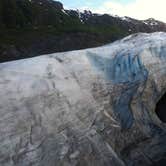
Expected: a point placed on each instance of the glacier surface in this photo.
(93, 107)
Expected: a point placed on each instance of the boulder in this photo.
(92, 107)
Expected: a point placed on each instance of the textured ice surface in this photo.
(92, 107)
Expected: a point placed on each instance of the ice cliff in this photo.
(93, 107)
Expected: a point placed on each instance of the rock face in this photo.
(93, 107)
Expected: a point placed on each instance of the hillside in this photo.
(32, 27)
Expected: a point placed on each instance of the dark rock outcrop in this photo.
(94, 107)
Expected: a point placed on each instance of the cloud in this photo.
(140, 9)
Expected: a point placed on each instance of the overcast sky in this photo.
(140, 9)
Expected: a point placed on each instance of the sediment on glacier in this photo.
(95, 107)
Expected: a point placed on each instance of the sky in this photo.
(139, 9)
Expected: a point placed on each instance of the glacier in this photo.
(93, 107)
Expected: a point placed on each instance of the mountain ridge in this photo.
(33, 27)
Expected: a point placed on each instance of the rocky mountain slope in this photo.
(32, 27)
(93, 107)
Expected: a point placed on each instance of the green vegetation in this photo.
(33, 27)
(22, 21)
